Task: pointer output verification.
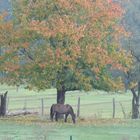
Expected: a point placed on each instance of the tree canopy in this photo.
(69, 45)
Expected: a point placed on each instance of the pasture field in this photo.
(98, 131)
(95, 122)
(97, 104)
(31, 128)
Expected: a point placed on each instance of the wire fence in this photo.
(100, 108)
(105, 109)
(110, 108)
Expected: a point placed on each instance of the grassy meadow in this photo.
(95, 122)
(93, 104)
(30, 128)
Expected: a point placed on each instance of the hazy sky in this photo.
(4, 5)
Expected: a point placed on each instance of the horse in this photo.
(57, 109)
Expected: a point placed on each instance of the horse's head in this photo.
(74, 118)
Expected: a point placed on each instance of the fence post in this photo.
(17, 88)
(113, 101)
(70, 137)
(78, 107)
(7, 104)
(42, 106)
(25, 104)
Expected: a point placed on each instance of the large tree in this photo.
(69, 45)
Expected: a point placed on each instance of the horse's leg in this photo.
(56, 117)
(72, 116)
(52, 114)
(66, 117)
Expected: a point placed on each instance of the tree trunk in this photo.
(60, 100)
(3, 104)
(135, 102)
(135, 109)
(61, 96)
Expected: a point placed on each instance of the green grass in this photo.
(95, 121)
(15, 131)
(93, 104)
(93, 130)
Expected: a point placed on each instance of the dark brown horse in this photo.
(57, 109)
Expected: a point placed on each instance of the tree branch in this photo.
(31, 2)
(24, 51)
(136, 57)
(134, 93)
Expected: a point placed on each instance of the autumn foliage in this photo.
(70, 44)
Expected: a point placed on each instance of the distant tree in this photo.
(69, 45)
(131, 21)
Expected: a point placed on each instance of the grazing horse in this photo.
(57, 109)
